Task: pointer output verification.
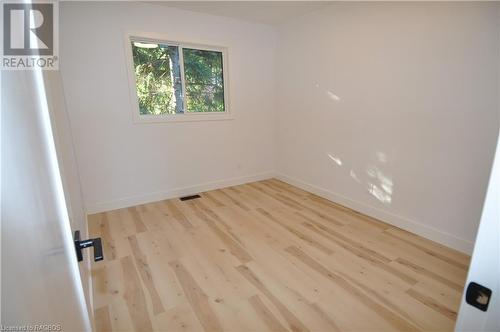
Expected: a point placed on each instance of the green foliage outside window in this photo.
(204, 80)
(157, 71)
(154, 78)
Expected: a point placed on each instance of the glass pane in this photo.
(204, 80)
(157, 78)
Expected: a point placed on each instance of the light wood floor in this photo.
(267, 256)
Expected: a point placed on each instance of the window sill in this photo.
(142, 119)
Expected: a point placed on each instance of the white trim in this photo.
(173, 193)
(412, 226)
(186, 117)
(183, 79)
(137, 118)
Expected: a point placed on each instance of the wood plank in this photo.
(205, 210)
(102, 320)
(432, 252)
(196, 297)
(234, 247)
(338, 237)
(391, 317)
(231, 196)
(178, 215)
(180, 318)
(430, 274)
(430, 245)
(136, 217)
(324, 316)
(432, 303)
(449, 297)
(108, 243)
(266, 315)
(213, 199)
(312, 242)
(134, 296)
(145, 273)
(293, 322)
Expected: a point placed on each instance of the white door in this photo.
(69, 170)
(485, 264)
(40, 280)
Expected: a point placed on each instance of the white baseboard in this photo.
(178, 192)
(412, 226)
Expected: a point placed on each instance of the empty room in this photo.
(250, 166)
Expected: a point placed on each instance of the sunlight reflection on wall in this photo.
(377, 183)
(383, 188)
(332, 96)
(381, 184)
(329, 93)
(354, 176)
(337, 160)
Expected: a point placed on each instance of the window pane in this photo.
(157, 78)
(204, 80)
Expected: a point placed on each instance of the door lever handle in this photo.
(82, 244)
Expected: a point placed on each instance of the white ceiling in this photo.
(268, 12)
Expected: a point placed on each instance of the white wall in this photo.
(122, 163)
(389, 108)
(392, 109)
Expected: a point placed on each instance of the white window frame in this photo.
(137, 117)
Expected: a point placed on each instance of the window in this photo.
(175, 81)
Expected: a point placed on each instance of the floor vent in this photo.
(187, 198)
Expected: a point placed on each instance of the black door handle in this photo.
(478, 296)
(82, 244)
